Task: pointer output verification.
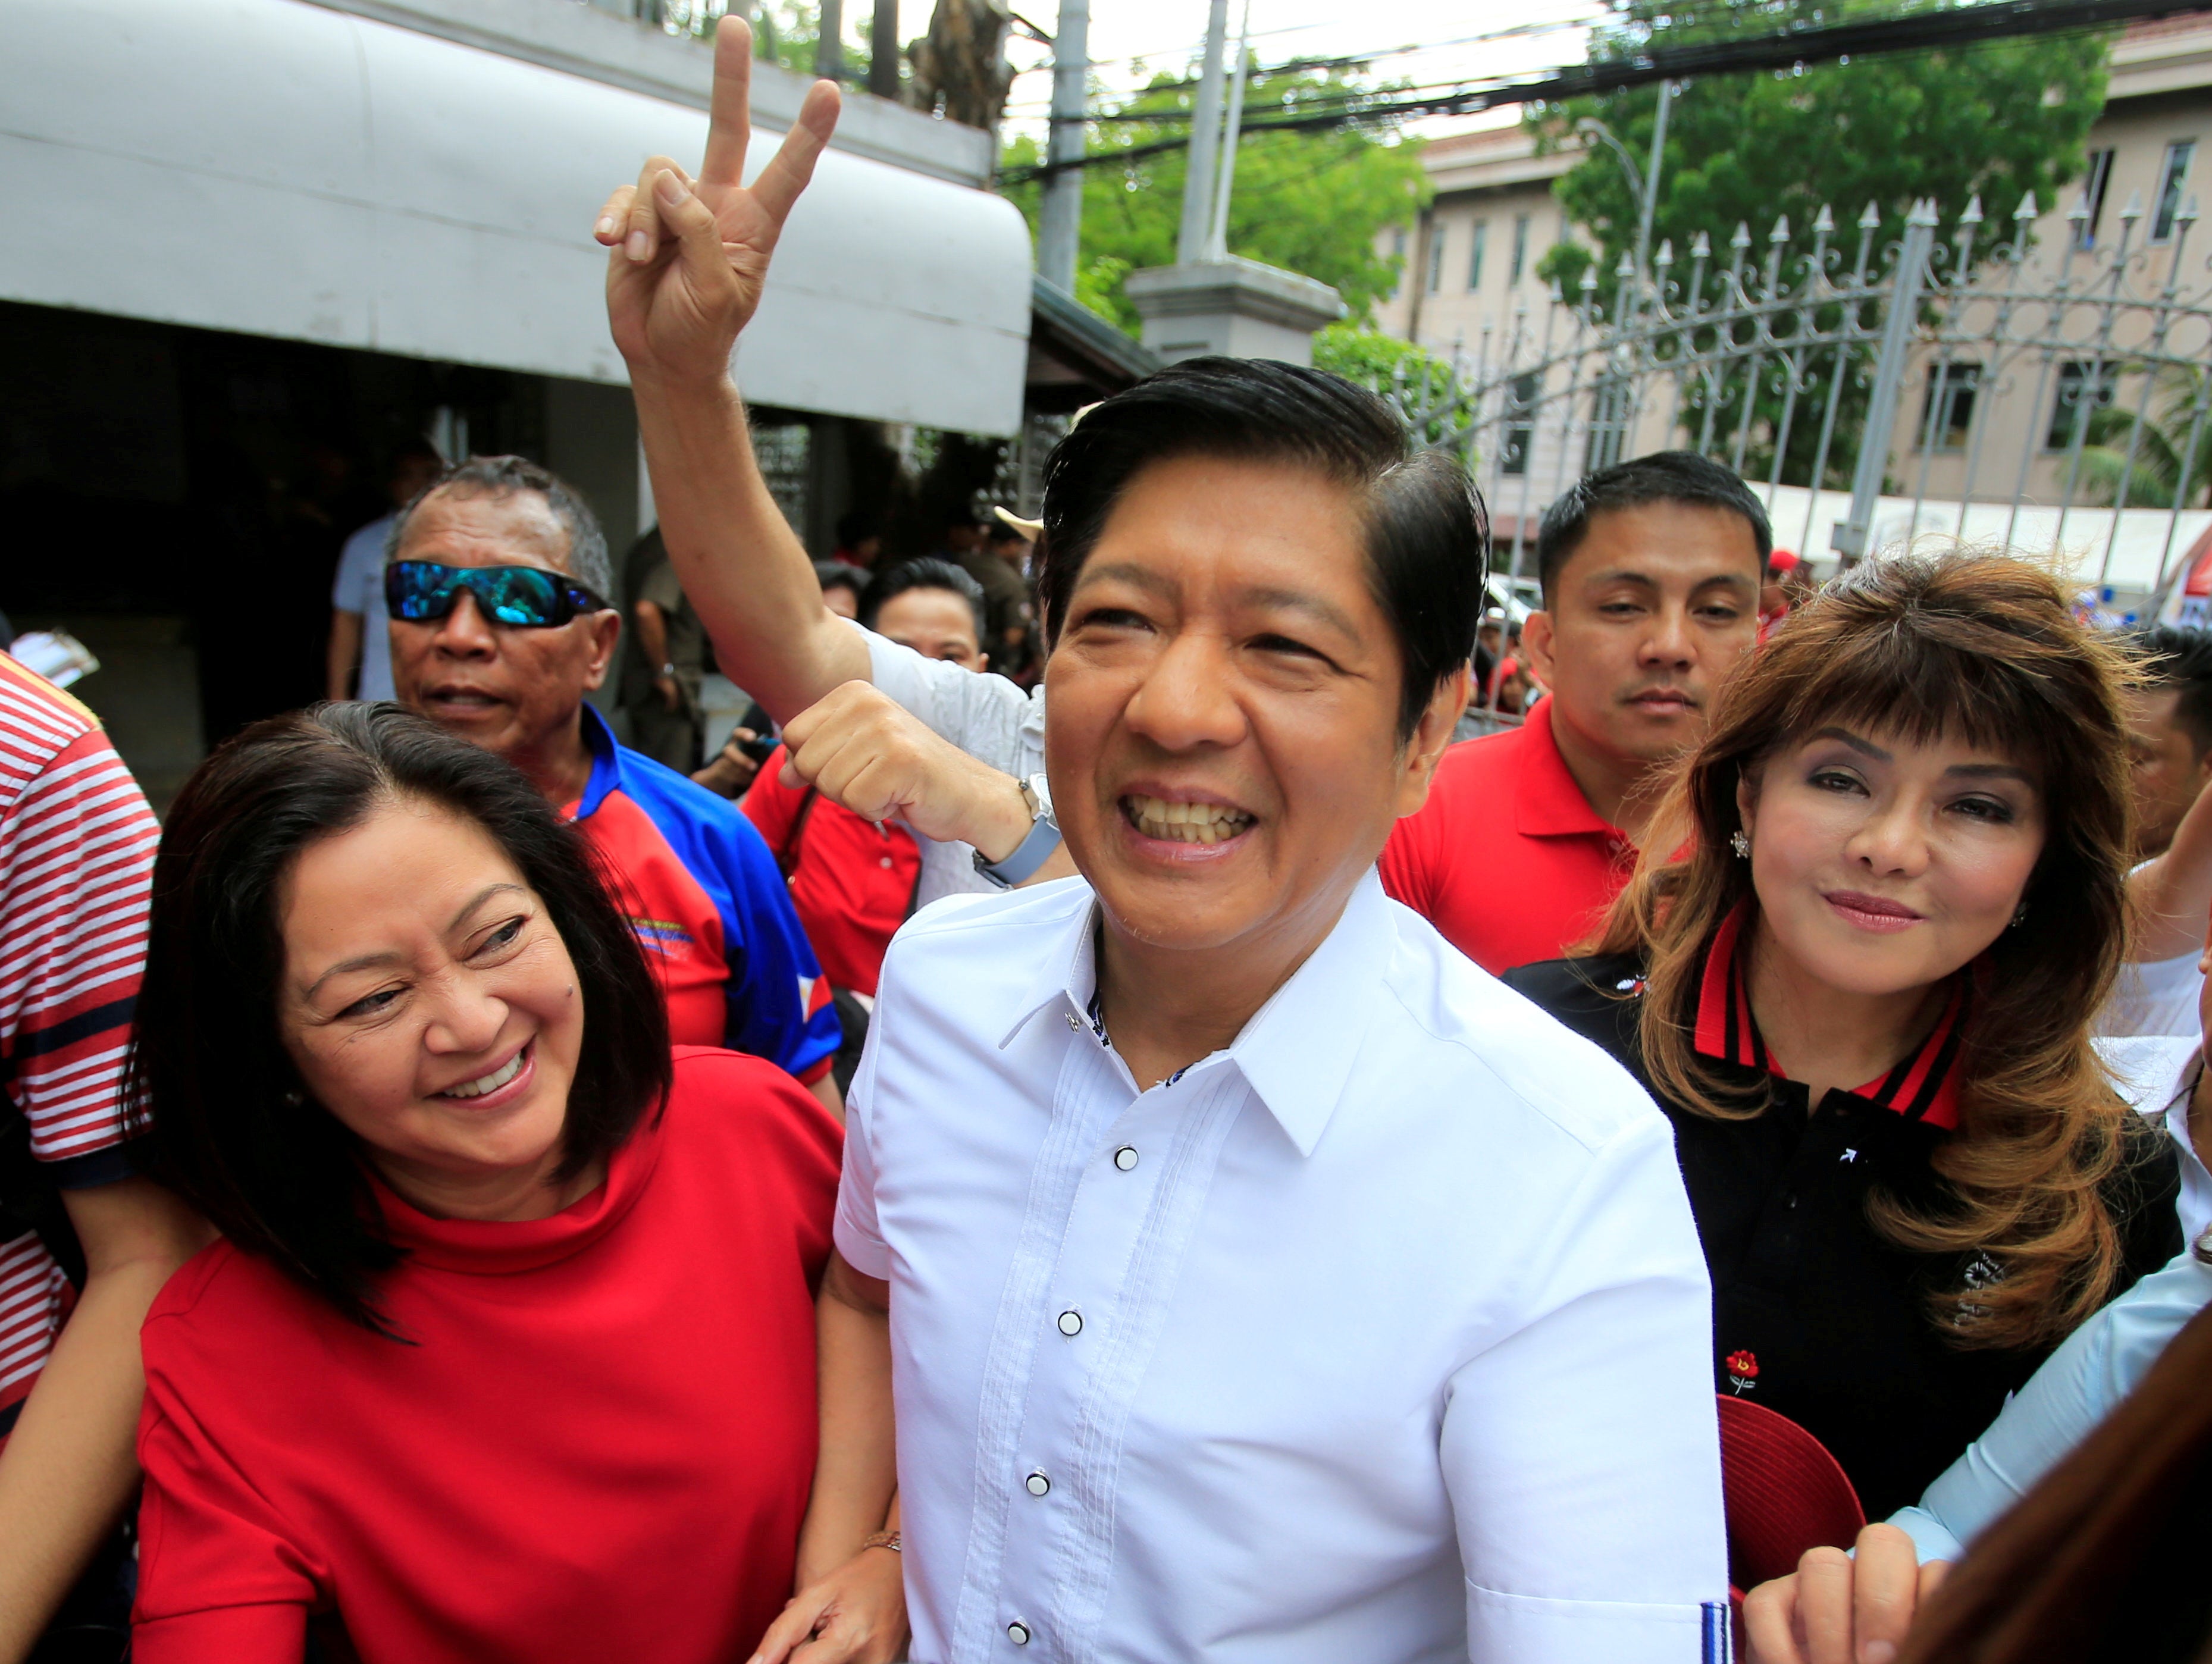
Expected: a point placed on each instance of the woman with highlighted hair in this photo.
(1863, 995)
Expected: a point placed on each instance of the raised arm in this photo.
(686, 264)
(2173, 893)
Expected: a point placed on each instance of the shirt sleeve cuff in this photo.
(866, 1254)
(814, 1071)
(1931, 1537)
(266, 1634)
(110, 1166)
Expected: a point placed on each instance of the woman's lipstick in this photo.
(1874, 913)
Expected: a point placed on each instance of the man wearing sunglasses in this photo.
(496, 584)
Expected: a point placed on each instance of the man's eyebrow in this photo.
(1127, 571)
(1305, 601)
(1865, 747)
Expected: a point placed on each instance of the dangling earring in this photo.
(1740, 843)
(2018, 917)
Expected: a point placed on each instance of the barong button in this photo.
(1071, 1323)
(1018, 1633)
(1126, 1156)
(1036, 1483)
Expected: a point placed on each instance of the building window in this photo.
(2075, 397)
(1520, 247)
(1474, 258)
(2173, 188)
(1954, 385)
(1518, 436)
(2092, 193)
(1435, 256)
(1398, 253)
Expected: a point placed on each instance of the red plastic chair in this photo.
(1783, 1491)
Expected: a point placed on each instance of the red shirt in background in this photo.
(597, 1447)
(852, 880)
(1507, 859)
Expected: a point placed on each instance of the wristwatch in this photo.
(1033, 851)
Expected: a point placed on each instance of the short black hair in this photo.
(927, 572)
(997, 531)
(208, 1074)
(836, 574)
(1663, 477)
(2177, 656)
(1427, 532)
(502, 477)
(857, 525)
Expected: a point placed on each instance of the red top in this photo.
(599, 1447)
(1924, 1085)
(1507, 859)
(852, 880)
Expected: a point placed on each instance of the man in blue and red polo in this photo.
(698, 883)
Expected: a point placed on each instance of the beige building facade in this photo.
(1979, 423)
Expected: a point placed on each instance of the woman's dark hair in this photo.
(1979, 646)
(927, 572)
(208, 1074)
(1428, 535)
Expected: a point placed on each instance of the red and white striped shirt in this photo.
(76, 864)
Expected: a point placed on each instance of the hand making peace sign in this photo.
(687, 259)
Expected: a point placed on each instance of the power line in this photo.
(1921, 32)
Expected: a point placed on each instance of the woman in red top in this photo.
(510, 1352)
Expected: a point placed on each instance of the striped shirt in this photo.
(76, 861)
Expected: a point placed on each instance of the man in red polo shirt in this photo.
(1651, 572)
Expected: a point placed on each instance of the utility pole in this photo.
(883, 51)
(829, 42)
(1650, 202)
(1060, 216)
(1204, 145)
(1217, 243)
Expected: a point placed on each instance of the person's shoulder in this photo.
(215, 1300)
(959, 946)
(714, 1087)
(1473, 762)
(675, 802)
(1488, 1035)
(2147, 1070)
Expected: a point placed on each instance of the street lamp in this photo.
(1644, 191)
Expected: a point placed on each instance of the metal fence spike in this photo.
(2026, 209)
(1665, 257)
(1973, 213)
(1742, 238)
(1824, 222)
(2134, 210)
(2079, 214)
(1870, 218)
(1703, 248)
(1626, 267)
(2186, 214)
(1781, 232)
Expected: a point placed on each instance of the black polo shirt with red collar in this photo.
(1815, 1315)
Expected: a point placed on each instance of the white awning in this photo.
(278, 168)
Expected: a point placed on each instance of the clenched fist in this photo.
(861, 749)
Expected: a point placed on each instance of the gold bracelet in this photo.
(888, 1540)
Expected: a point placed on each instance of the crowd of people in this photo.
(1089, 1121)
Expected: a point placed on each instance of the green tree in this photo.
(1311, 201)
(2160, 468)
(1388, 365)
(1996, 119)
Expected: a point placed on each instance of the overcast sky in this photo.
(1167, 35)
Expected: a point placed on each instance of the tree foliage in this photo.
(2161, 467)
(1996, 119)
(1310, 202)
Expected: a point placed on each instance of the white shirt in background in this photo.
(2159, 998)
(2157, 1074)
(359, 587)
(1382, 1336)
(986, 716)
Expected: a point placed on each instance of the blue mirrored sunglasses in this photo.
(526, 596)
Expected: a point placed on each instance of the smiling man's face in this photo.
(1648, 615)
(515, 690)
(1224, 697)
